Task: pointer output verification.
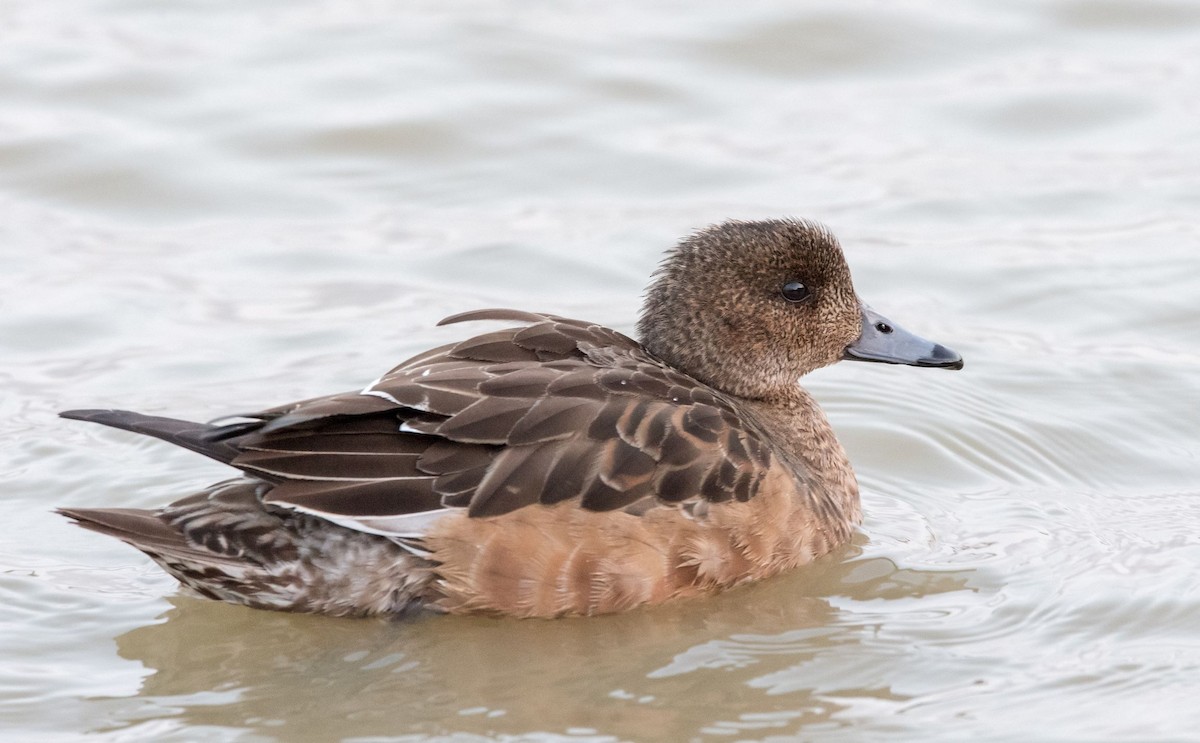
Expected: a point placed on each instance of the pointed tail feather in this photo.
(211, 441)
(142, 529)
(280, 579)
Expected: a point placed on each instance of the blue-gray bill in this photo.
(885, 342)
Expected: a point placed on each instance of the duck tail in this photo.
(202, 438)
(137, 527)
(222, 544)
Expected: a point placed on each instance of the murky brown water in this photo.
(213, 207)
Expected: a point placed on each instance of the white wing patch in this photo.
(403, 528)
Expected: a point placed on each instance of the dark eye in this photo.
(795, 292)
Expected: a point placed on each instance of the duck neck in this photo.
(802, 437)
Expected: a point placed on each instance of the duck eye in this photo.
(795, 292)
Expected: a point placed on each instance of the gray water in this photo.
(208, 208)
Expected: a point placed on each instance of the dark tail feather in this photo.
(211, 441)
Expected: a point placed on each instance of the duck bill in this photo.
(885, 342)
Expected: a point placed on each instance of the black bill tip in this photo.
(941, 357)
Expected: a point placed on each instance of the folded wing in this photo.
(551, 411)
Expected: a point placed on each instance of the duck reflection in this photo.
(667, 673)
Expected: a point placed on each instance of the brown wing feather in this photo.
(554, 410)
(357, 497)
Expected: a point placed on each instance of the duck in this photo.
(553, 467)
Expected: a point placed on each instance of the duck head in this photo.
(748, 307)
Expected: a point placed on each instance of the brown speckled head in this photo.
(718, 309)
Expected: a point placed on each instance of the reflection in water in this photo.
(643, 675)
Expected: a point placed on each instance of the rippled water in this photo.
(213, 207)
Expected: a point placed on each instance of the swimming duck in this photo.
(555, 467)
